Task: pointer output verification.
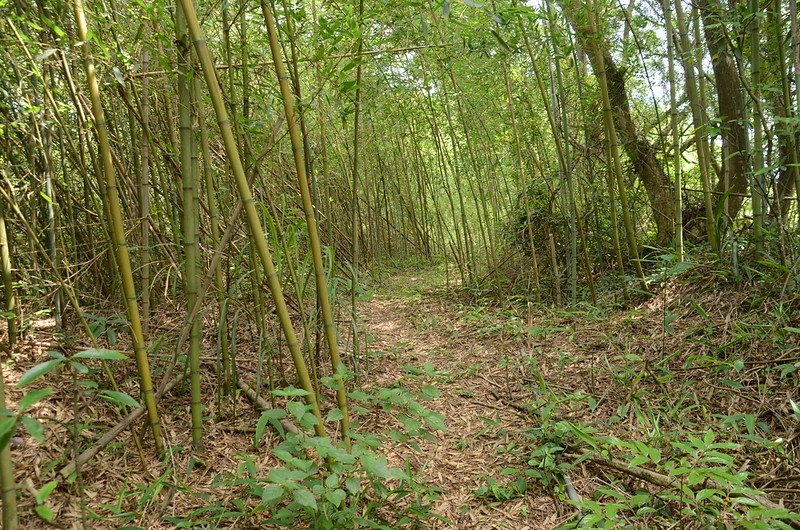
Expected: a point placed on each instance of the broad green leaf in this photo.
(79, 367)
(379, 467)
(289, 391)
(334, 415)
(101, 354)
(271, 494)
(6, 430)
(332, 481)
(430, 392)
(305, 498)
(45, 491)
(120, 398)
(358, 395)
(261, 426)
(286, 477)
(34, 428)
(341, 456)
(38, 371)
(706, 494)
(746, 501)
(353, 485)
(436, 421)
(44, 512)
(411, 425)
(336, 496)
(750, 423)
(308, 421)
(640, 499)
(33, 397)
(297, 409)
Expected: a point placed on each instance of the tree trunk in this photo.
(639, 150)
(729, 105)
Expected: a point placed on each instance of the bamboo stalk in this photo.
(251, 214)
(10, 300)
(213, 219)
(311, 223)
(118, 231)
(189, 221)
(7, 481)
(676, 139)
(758, 186)
(144, 197)
(611, 138)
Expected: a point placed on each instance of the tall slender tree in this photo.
(118, 230)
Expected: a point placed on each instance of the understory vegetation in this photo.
(400, 264)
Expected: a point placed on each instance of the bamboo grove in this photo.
(243, 165)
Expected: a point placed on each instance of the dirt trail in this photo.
(408, 332)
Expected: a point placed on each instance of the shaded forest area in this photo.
(400, 264)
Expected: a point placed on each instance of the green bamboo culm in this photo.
(118, 232)
(356, 225)
(188, 161)
(213, 220)
(10, 521)
(311, 222)
(613, 148)
(676, 138)
(757, 183)
(251, 213)
(704, 159)
(10, 301)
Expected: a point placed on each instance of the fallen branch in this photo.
(263, 404)
(664, 481)
(526, 412)
(112, 433)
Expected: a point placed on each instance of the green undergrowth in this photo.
(410, 279)
(310, 481)
(317, 483)
(693, 387)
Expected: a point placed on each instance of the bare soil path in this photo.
(419, 337)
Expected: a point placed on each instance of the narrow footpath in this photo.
(419, 339)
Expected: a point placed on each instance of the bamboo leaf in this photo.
(33, 397)
(45, 491)
(100, 354)
(34, 428)
(45, 512)
(38, 371)
(120, 398)
(6, 430)
(45, 54)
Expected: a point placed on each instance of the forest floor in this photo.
(421, 340)
(702, 365)
(694, 358)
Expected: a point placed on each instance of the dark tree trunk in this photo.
(639, 150)
(729, 104)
